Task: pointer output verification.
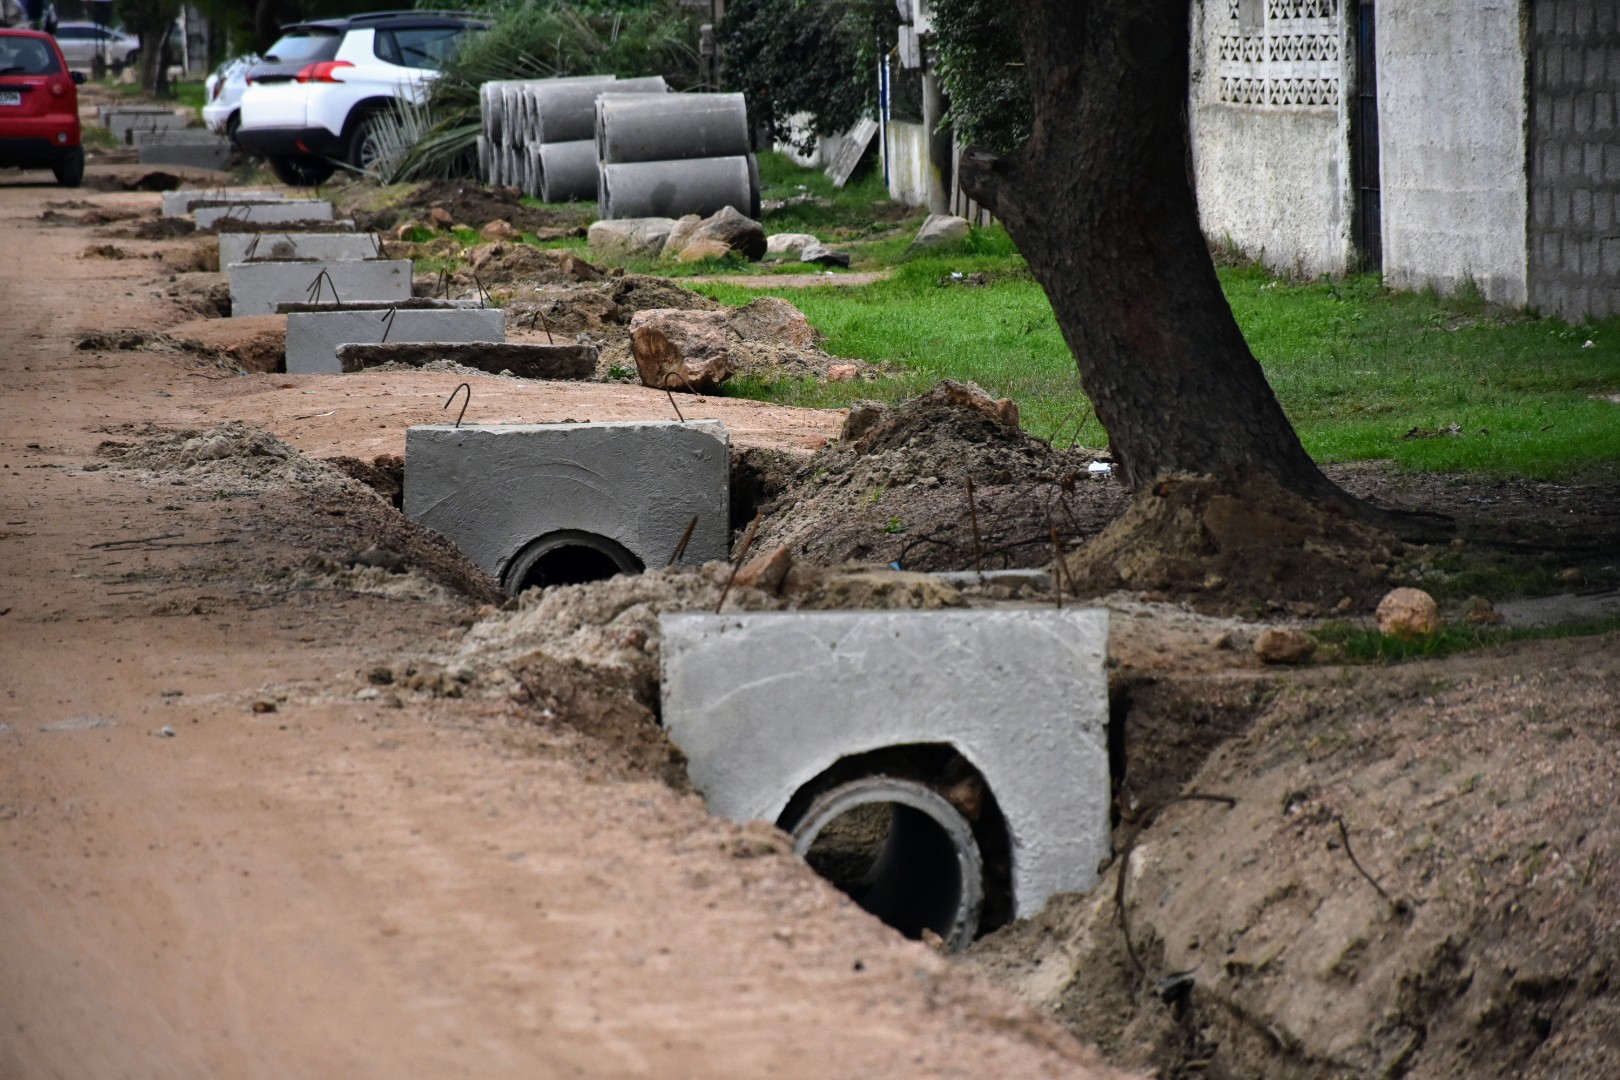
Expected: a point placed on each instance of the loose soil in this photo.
(286, 788)
(470, 204)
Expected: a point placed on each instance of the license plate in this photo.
(10, 97)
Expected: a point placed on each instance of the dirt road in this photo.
(224, 854)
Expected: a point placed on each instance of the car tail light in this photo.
(324, 71)
(218, 86)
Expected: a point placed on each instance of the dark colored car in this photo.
(39, 107)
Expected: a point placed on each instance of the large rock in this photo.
(681, 350)
(773, 320)
(822, 255)
(1408, 613)
(788, 245)
(724, 227)
(630, 236)
(941, 229)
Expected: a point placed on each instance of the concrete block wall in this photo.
(1574, 221)
(1451, 112)
(1269, 131)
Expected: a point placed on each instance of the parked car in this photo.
(312, 101)
(81, 42)
(222, 95)
(39, 107)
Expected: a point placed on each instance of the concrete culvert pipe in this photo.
(901, 851)
(568, 557)
(675, 188)
(668, 127)
(567, 170)
(565, 111)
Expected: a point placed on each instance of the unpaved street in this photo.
(223, 853)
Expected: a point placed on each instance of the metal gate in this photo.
(1368, 222)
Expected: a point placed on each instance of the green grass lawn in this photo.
(1364, 373)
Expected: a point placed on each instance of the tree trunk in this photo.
(1101, 204)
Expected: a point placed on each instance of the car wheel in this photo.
(365, 144)
(300, 172)
(233, 125)
(70, 170)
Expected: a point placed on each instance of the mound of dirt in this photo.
(473, 205)
(1238, 545)
(92, 216)
(375, 545)
(588, 655)
(503, 264)
(893, 489)
(162, 228)
(1415, 877)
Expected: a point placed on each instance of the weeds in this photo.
(1349, 643)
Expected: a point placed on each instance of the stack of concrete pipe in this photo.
(538, 134)
(674, 155)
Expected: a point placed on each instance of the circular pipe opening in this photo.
(568, 557)
(900, 851)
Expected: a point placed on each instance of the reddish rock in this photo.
(766, 572)
(1284, 645)
(681, 350)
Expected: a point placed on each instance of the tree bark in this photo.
(1101, 204)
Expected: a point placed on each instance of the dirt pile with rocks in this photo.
(894, 489)
(376, 550)
(473, 205)
(1411, 873)
(1238, 544)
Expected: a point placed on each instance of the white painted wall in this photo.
(1273, 178)
(906, 152)
(1451, 117)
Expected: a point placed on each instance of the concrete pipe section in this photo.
(814, 721)
(674, 189)
(545, 504)
(901, 851)
(670, 127)
(564, 110)
(567, 170)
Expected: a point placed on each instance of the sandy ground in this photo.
(223, 855)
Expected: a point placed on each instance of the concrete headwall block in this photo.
(181, 203)
(290, 210)
(257, 287)
(313, 337)
(525, 360)
(236, 247)
(499, 491)
(764, 703)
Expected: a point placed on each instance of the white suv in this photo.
(310, 103)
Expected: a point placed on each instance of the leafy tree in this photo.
(816, 57)
(1084, 158)
(150, 21)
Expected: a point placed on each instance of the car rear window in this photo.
(418, 47)
(26, 56)
(307, 45)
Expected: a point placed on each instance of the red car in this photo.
(39, 107)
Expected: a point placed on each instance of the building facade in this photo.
(1441, 141)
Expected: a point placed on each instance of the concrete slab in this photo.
(526, 361)
(257, 287)
(193, 147)
(764, 704)
(290, 210)
(181, 203)
(236, 247)
(122, 123)
(519, 500)
(313, 337)
(278, 228)
(415, 303)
